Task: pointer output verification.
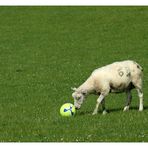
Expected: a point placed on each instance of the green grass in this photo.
(44, 51)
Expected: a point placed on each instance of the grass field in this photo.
(44, 51)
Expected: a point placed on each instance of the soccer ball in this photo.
(67, 110)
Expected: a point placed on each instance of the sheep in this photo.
(118, 77)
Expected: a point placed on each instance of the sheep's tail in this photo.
(138, 66)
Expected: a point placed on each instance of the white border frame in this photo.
(74, 2)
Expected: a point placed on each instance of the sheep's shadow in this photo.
(85, 112)
(111, 110)
(131, 108)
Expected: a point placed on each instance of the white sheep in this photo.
(116, 77)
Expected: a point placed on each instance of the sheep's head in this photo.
(79, 97)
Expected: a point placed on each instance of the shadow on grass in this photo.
(111, 110)
(85, 113)
(121, 109)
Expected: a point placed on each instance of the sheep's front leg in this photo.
(99, 100)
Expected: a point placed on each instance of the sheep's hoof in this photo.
(94, 113)
(140, 109)
(104, 112)
(126, 108)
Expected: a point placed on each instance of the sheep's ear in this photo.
(84, 92)
(73, 88)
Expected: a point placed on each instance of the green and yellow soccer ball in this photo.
(67, 110)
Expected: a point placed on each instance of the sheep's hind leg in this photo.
(128, 100)
(138, 86)
(140, 94)
(103, 107)
(99, 100)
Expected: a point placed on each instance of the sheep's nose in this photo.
(77, 108)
